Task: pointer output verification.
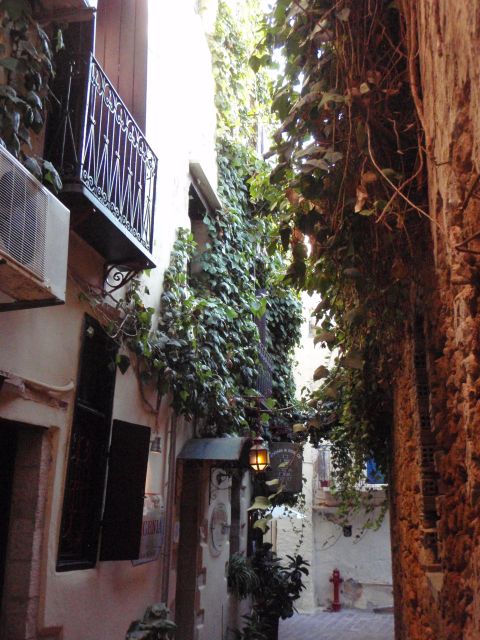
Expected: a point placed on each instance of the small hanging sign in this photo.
(286, 464)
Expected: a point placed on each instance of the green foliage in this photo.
(26, 60)
(242, 580)
(214, 362)
(282, 316)
(243, 102)
(153, 626)
(242, 96)
(274, 593)
(204, 351)
(279, 585)
(348, 189)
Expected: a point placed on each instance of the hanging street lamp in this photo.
(259, 457)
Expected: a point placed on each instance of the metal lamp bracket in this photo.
(218, 475)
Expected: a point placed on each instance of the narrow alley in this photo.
(239, 320)
(344, 625)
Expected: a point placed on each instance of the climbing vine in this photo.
(26, 63)
(348, 189)
(239, 124)
(205, 348)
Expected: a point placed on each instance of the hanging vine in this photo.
(348, 187)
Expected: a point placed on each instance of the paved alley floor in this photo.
(343, 625)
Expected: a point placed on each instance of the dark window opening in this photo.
(197, 210)
(8, 450)
(255, 536)
(95, 447)
(235, 514)
(87, 459)
(427, 442)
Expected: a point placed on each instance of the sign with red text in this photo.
(153, 529)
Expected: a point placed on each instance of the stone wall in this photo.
(439, 598)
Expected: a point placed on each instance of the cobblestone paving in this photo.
(343, 625)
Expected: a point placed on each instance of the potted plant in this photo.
(153, 626)
(273, 592)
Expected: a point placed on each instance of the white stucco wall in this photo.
(289, 528)
(43, 344)
(364, 562)
(180, 113)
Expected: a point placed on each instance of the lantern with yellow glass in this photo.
(259, 457)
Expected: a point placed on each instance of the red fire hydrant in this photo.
(336, 579)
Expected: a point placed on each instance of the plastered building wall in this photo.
(289, 528)
(364, 559)
(43, 344)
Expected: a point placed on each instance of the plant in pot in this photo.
(279, 587)
(273, 592)
(154, 625)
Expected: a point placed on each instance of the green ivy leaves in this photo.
(340, 146)
(204, 349)
(27, 60)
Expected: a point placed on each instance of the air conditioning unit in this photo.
(34, 228)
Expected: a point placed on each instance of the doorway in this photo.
(8, 451)
(190, 503)
(25, 456)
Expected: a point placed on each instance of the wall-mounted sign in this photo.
(153, 529)
(286, 465)
(219, 529)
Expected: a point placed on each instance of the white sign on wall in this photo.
(153, 529)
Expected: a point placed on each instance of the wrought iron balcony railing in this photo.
(108, 169)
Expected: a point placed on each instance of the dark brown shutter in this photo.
(121, 48)
(87, 460)
(127, 470)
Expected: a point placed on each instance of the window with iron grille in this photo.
(96, 446)
(87, 461)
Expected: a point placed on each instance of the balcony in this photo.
(107, 167)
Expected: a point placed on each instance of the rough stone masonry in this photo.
(436, 424)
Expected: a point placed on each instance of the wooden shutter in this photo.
(87, 461)
(121, 49)
(127, 470)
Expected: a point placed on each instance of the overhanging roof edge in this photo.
(221, 449)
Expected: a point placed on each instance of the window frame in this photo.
(96, 443)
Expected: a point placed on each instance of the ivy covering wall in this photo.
(205, 350)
